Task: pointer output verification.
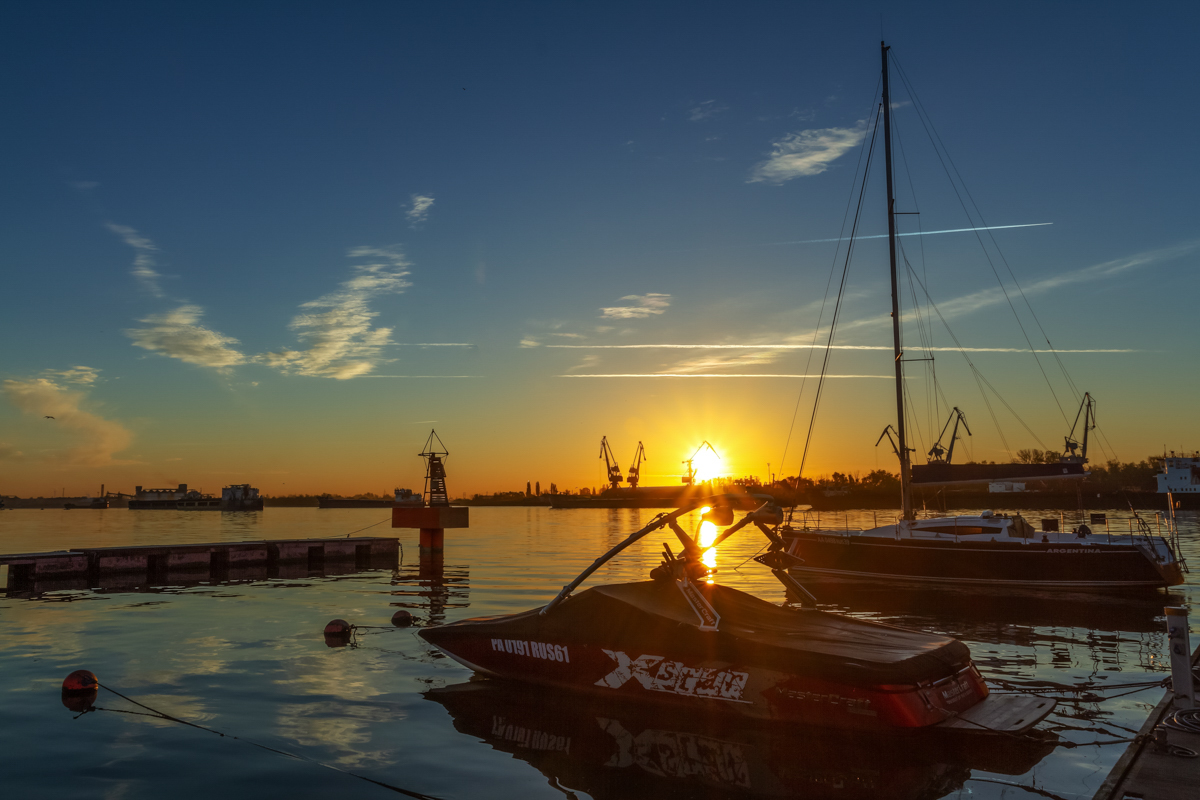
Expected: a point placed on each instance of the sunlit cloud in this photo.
(705, 110)
(809, 152)
(529, 341)
(342, 341)
(431, 344)
(95, 439)
(642, 306)
(179, 334)
(418, 212)
(10, 453)
(144, 263)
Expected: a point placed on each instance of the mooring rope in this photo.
(161, 715)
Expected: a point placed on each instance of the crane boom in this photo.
(635, 470)
(610, 460)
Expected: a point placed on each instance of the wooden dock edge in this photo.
(1123, 767)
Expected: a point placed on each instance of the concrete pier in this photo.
(113, 567)
(1148, 769)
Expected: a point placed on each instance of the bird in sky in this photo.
(49, 417)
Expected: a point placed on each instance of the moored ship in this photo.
(237, 497)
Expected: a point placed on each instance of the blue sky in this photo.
(225, 224)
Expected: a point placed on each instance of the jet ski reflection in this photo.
(623, 750)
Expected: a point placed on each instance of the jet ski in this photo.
(679, 640)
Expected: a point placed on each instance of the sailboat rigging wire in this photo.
(979, 375)
(837, 307)
(828, 283)
(939, 148)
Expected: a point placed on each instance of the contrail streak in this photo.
(717, 375)
(816, 347)
(912, 233)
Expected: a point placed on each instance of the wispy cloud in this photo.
(708, 363)
(96, 439)
(705, 110)
(589, 362)
(81, 375)
(179, 334)
(642, 306)
(418, 211)
(529, 341)
(83, 186)
(985, 298)
(809, 152)
(343, 343)
(144, 263)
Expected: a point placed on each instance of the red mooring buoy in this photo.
(402, 619)
(337, 633)
(79, 690)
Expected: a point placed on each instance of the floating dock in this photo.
(1149, 768)
(112, 567)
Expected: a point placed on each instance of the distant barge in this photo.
(403, 498)
(238, 497)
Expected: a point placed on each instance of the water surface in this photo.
(248, 659)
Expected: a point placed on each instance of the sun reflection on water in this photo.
(708, 534)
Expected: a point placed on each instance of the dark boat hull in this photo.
(763, 662)
(1045, 565)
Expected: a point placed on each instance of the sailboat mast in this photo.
(905, 472)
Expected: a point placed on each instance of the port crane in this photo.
(636, 467)
(1087, 410)
(690, 476)
(937, 452)
(610, 460)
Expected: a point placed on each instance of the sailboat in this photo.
(985, 548)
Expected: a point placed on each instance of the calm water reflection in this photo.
(248, 658)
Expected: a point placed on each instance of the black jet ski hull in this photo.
(636, 643)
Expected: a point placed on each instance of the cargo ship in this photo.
(237, 497)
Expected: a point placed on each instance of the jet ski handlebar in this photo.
(763, 514)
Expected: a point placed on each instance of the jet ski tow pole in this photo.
(660, 521)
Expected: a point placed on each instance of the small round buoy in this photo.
(337, 627)
(402, 619)
(79, 690)
(337, 633)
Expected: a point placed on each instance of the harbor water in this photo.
(299, 718)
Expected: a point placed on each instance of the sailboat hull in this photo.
(830, 555)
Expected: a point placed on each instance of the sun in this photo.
(707, 465)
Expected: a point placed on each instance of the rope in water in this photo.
(161, 715)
